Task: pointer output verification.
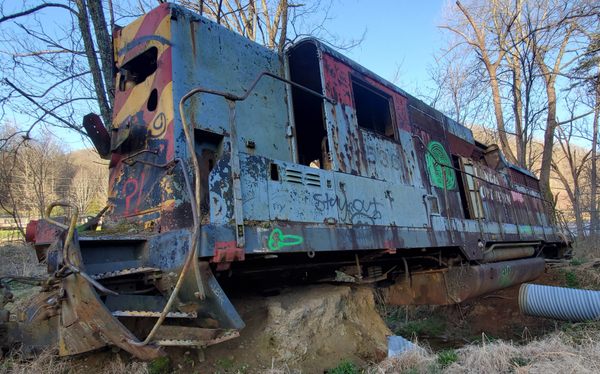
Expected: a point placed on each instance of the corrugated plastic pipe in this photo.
(568, 304)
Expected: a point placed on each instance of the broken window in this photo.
(373, 109)
(136, 70)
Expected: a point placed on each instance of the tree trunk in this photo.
(594, 171)
(518, 110)
(105, 46)
(88, 43)
(548, 141)
(504, 143)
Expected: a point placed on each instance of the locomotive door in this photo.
(471, 190)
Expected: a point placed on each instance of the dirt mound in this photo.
(311, 329)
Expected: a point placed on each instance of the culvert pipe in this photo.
(567, 304)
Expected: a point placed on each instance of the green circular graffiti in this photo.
(435, 157)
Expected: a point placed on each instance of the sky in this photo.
(401, 36)
(399, 43)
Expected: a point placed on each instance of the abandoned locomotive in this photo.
(229, 162)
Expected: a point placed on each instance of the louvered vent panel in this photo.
(312, 179)
(296, 176)
(293, 176)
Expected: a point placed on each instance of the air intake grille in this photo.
(296, 176)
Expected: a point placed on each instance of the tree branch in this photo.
(35, 9)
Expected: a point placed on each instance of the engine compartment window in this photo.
(373, 109)
(136, 70)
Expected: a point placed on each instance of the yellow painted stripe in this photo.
(135, 101)
(127, 35)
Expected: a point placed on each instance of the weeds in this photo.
(345, 367)
(161, 365)
(576, 261)
(447, 357)
(571, 280)
(48, 362)
(430, 326)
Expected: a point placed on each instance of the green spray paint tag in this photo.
(435, 157)
(505, 276)
(278, 240)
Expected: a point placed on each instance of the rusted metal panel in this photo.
(385, 159)
(346, 152)
(412, 164)
(356, 150)
(455, 285)
(455, 129)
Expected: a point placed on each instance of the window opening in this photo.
(136, 70)
(373, 109)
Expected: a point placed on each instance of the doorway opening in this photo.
(311, 133)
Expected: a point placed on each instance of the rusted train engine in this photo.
(231, 165)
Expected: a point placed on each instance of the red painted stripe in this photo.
(152, 20)
(164, 75)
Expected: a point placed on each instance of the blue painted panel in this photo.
(254, 172)
(369, 201)
(221, 191)
(301, 194)
(219, 59)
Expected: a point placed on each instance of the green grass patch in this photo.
(226, 364)
(520, 361)
(571, 280)
(161, 365)
(429, 326)
(6, 235)
(447, 357)
(345, 367)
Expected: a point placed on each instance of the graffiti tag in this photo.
(505, 276)
(386, 157)
(278, 240)
(357, 211)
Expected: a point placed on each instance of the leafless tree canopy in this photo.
(520, 61)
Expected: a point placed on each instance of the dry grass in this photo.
(45, 362)
(556, 353)
(586, 248)
(48, 363)
(19, 260)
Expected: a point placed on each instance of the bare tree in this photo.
(459, 88)
(84, 188)
(56, 72)
(569, 165)
(32, 174)
(485, 29)
(587, 73)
